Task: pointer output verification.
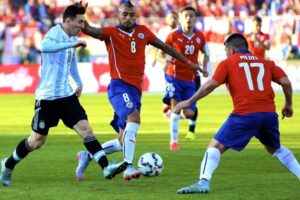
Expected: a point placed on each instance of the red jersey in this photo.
(189, 46)
(254, 46)
(248, 79)
(126, 52)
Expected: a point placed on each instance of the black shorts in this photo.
(48, 112)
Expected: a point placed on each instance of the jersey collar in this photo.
(242, 51)
(120, 27)
(187, 36)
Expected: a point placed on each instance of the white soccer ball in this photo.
(150, 164)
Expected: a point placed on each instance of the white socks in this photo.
(209, 163)
(174, 124)
(287, 158)
(112, 146)
(129, 141)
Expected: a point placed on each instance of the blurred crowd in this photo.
(23, 22)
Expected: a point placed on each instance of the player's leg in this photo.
(94, 147)
(192, 112)
(129, 140)
(111, 146)
(231, 135)
(45, 117)
(25, 146)
(126, 101)
(114, 145)
(270, 138)
(192, 120)
(174, 127)
(287, 158)
(209, 164)
(74, 116)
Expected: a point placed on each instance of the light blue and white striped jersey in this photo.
(58, 64)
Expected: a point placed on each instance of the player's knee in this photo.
(134, 117)
(188, 114)
(270, 150)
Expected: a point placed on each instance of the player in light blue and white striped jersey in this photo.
(55, 98)
(58, 62)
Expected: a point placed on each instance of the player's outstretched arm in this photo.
(175, 54)
(204, 90)
(92, 31)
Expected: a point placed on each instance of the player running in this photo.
(180, 78)
(126, 44)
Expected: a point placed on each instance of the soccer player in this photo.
(180, 78)
(55, 98)
(258, 41)
(126, 44)
(248, 78)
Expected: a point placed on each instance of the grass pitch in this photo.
(49, 172)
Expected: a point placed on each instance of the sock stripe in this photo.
(89, 139)
(205, 162)
(98, 155)
(15, 156)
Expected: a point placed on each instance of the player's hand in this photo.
(205, 72)
(181, 105)
(170, 60)
(79, 43)
(287, 111)
(78, 91)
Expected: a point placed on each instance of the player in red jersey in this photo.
(180, 78)
(258, 41)
(126, 44)
(248, 78)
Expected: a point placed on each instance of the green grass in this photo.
(49, 172)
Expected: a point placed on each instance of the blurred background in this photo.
(23, 24)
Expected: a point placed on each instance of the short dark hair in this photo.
(73, 10)
(237, 40)
(257, 19)
(187, 8)
(128, 4)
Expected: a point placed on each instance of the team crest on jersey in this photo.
(129, 104)
(141, 35)
(42, 124)
(198, 40)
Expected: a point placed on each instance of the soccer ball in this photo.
(150, 164)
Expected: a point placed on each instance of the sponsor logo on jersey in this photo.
(198, 40)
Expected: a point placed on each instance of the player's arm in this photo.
(92, 31)
(174, 53)
(287, 110)
(203, 91)
(206, 57)
(264, 44)
(75, 75)
(50, 45)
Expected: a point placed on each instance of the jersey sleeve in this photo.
(277, 72)
(106, 31)
(151, 36)
(203, 46)
(221, 73)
